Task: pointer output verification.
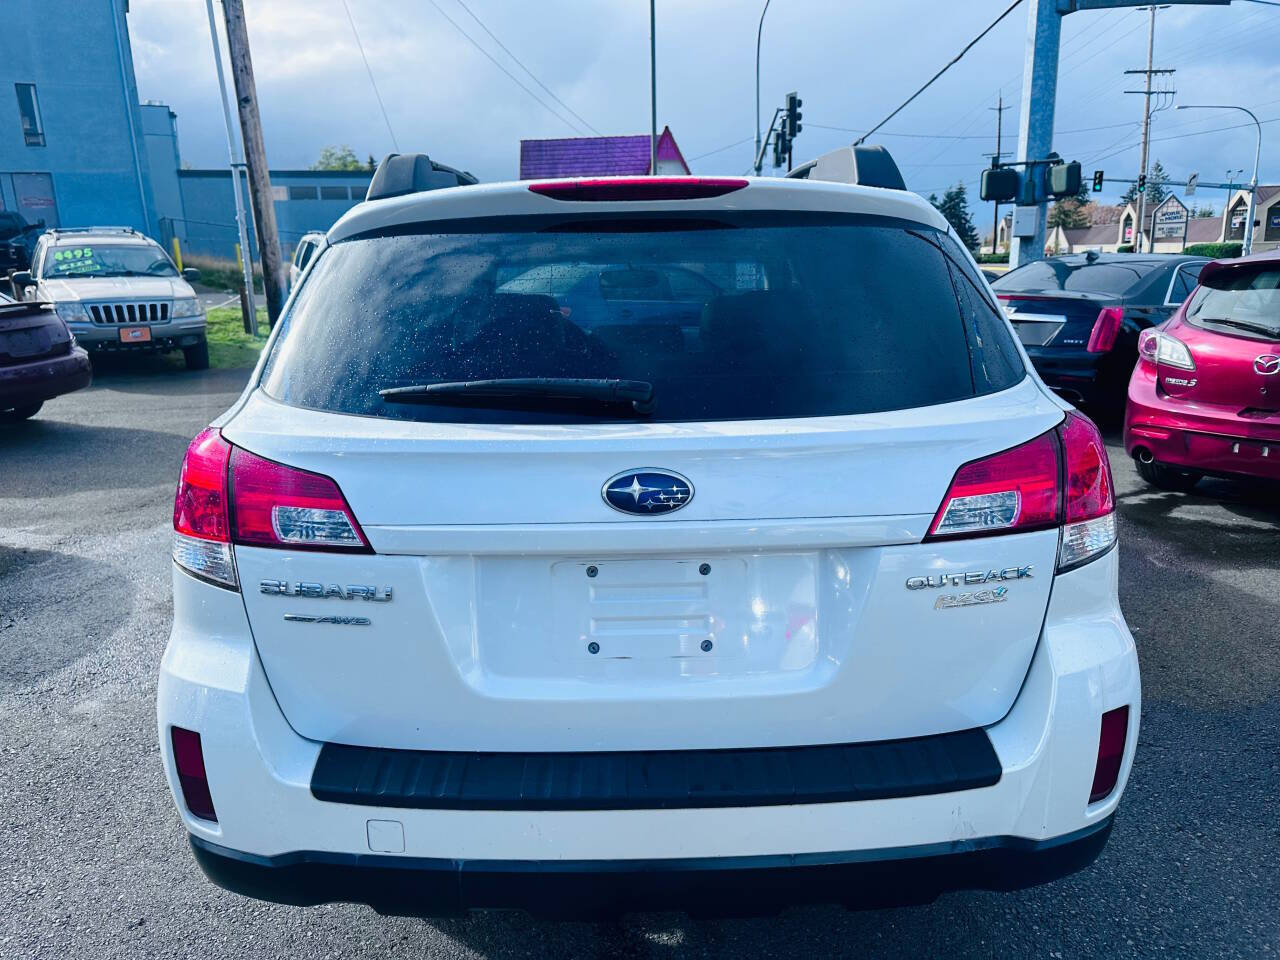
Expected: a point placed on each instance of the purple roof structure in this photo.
(598, 157)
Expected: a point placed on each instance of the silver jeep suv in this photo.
(117, 290)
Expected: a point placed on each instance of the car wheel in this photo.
(17, 414)
(197, 357)
(1168, 478)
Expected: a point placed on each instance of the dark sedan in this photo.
(1079, 317)
(39, 359)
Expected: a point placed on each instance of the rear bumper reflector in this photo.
(655, 779)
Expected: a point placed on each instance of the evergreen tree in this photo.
(955, 207)
(1157, 187)
(1070, 212)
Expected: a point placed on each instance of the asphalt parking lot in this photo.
(95, 862)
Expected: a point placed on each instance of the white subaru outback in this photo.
(644, 543)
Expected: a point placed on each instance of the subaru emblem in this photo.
(647, 491)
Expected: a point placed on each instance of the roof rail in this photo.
(401, 174)
(865, 165)
(124, 230)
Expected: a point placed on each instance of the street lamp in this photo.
(759, 33)
(1257, 156)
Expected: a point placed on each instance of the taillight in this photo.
(1105, 329)
(274, 505)
(1016, 490)
(639, 188)
(1061, 478)
(230, 496)
(201, 524)
(1157, 347)
(1089, 524)
(188, 758)
(1111, 739)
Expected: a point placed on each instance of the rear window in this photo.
(744, 317)
(1244, 301)
(1114, 279)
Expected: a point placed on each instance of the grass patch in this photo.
(221, 274)
(229, 345)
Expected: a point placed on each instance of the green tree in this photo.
(955, 207)
(1070, 212)
(338, 157)
(1208, 210)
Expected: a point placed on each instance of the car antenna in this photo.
(1091, 256)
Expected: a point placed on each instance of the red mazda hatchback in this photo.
(1205, 395)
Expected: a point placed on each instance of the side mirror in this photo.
(21, 281)
(191, 274)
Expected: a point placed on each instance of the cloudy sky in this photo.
(852, 62)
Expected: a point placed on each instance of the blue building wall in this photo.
(305, 200)
(160, 132)
(92, 167)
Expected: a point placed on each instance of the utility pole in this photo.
(248, 308)
(653, 91)
(255, 154)
(999, 108)
(1146, 122)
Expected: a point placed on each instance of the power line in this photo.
(372, 82)
(954, 60)
(514, 79)
(727, 146)
(549, 91)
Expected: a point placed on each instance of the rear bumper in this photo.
(44, 379)
(275, 839)
(1199, 436)
(1077, 375)
(413, 886)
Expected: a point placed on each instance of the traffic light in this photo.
(1142, 183)
(1097, 181)
(793, 115)
(780, 149)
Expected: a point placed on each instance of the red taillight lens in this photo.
(1090, 492)
(278, 506)
(1105, 329)
(639, 188)
(200, 506)
(1089, 528)
(1111, 740)
(1016, 490)
(188, 757)
(201, 523)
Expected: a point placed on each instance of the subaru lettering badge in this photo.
(647, 491)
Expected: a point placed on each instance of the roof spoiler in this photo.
(404, 173)
(867, 166)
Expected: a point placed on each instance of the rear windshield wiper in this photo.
(1242, 325)
(636, 393)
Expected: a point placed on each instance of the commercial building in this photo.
(78, 149)
(72, 149)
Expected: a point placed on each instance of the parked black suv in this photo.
(17, 237)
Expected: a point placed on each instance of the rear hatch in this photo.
(1231, 325)
(30, 332)
(808, 423)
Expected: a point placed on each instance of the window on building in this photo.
(333, 193)
(29, 111)
(1273, 223)
(303, 193)
(359, 193)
